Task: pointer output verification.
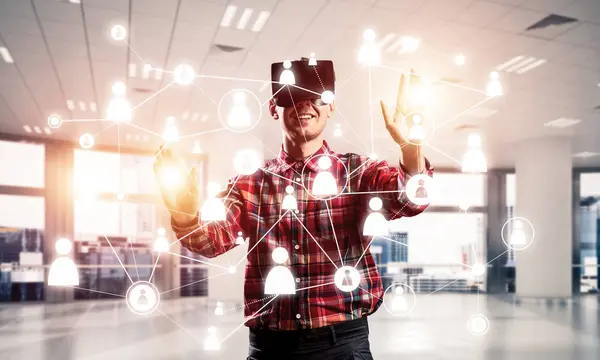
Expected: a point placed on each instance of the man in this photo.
(319, 320)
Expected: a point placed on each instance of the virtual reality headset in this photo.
(309, 81)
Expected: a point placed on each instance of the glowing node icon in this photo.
(54, 121)
(347, 278)
(86, 140)
(421, 189)
(375, 224)
(312, 61)
(219, 309)
(478, 324)
(280, 279)
(518, 233)
(325, 185)
(119, 110)
(184, 74)
(142, 298)
(494, 86)
(337, 132)
(289, 200)
(478, 269)
(399, 299)
(212, 343)
(287, 76)
(474, 160)
(119, 88)
(120, 197)
(171, 134)
(239, 110)
(328, 97)
(460, 59)
(63, 271)
(416, 129)
(118, 32)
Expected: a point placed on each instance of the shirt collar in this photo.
(286, 161)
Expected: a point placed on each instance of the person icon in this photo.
(289, 200)
(240, 239)
(324, 183)
(239, 116)
(213, 209)
(421, 192)
(337, 132)
(518, 235)
(416, 131)
(171, 134)
(142, 299)
(212, 343)
(63, 271)
(347, 279)
(287, 76)
(399, 304)
(312, 61)
(376, 224)
(219, 309)
(369, 52)
(280, 279)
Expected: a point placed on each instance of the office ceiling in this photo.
(65, 62)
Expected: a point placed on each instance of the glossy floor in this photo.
(435, 329)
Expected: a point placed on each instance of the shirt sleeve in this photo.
(213, 238)
(388, 183)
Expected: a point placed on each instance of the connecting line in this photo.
(296, 110)
(199, 261)
(203, 133)
(348, 79)
(334, 235)
(118, 258)
(272, 96)
(195, 282)
(153, 95)
(450, 283)
(318, 77)
(103, 130)
(463, 112)
(96, 291)
(134, 261)
(314, 286)
(364, 252)
(351, 128)
(249, 318)
(135, 52)
(443, 153)
(154, 268)
(489, 262)
(258, 242)
(83, 120)
(372, 192)
(315, 240)
(301, 88)
(245, 305)
(370, 293)
(205, 94)
(283, 177)
(371, 112)
(143, 129)
(179, 326)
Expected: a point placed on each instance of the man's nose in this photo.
(304, 103)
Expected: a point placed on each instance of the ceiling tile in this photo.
(482, 13)
(64, 31)
(119, 5)
(19, 25)
(58, 11)
(21, 45)
(158, 8)
(517, 20)
(582, 34)
(550, 6)
(11, 8)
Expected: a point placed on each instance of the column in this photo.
(544, 197)
(59, 211)
(496, 249)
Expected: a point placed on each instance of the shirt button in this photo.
(297, 211)
(297, 247)
(298, 180)
(297, 280)
(298, 316)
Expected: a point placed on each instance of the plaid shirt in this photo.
(309, 235)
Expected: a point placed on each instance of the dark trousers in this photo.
(344, 341)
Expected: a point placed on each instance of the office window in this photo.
(453, 189)
(589, 210)
(26, 169)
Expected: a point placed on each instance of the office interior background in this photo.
(58, 58)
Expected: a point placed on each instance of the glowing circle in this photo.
(280, 255)
(231, 269)
(118, 88)
(325, 162)
(525, 226)
(63, 246)
(184, 74)
(161, 231)
(287, 64)
(54, 121)
(460, 59)
(118, 32)
(347, 278)
(328, 97)
(121, 197)
(478, 324)
(239, 110)
(86, 140)
(421, 189)
(373, 156)
(289, 189)
(399, 299)
(478, 269)
(142, 298)
(375, 204)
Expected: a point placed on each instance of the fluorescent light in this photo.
(228, 16)
(520, 64)
(562, 123)
(260, 21)
(27, 128)
(6, 55)
(195, 116)
(531, 66)
(410, 44)
(510, 62)
(158, 74)
(394, 46)
(75, 1)
(386, 40)
(93, 107)
(132, 70)
(585, 154)
(185, 115)
(37, 129)
(70, 105)
(82, 106)
(47, 131)
(241, 25)
(146, 71)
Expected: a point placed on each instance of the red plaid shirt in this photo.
(254, 207)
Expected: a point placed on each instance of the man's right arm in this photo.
(213, 238)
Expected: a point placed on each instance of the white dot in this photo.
(298, 316)
(86, 140)
(373, 156)
(324, 162)
(289, 189)
(161, 231)
(184, 74)
(118, 32)
(297, 280)
(239, 233)
(54, 121)
(459, 59)
(375, 204)
(478, 269)
(63, 246)
(494, 75)
(369, 35)
(297, 247)
(327, 96)
(287, 64)
(280, 255)
(298, 179)
(118, 88)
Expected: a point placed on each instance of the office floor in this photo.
(436, 329)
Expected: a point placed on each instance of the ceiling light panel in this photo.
(521, 64)
(562, 123)
(6, 55)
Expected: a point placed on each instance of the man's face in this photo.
(304, 120)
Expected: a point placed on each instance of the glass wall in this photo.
(435, 251)
(589, 231)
